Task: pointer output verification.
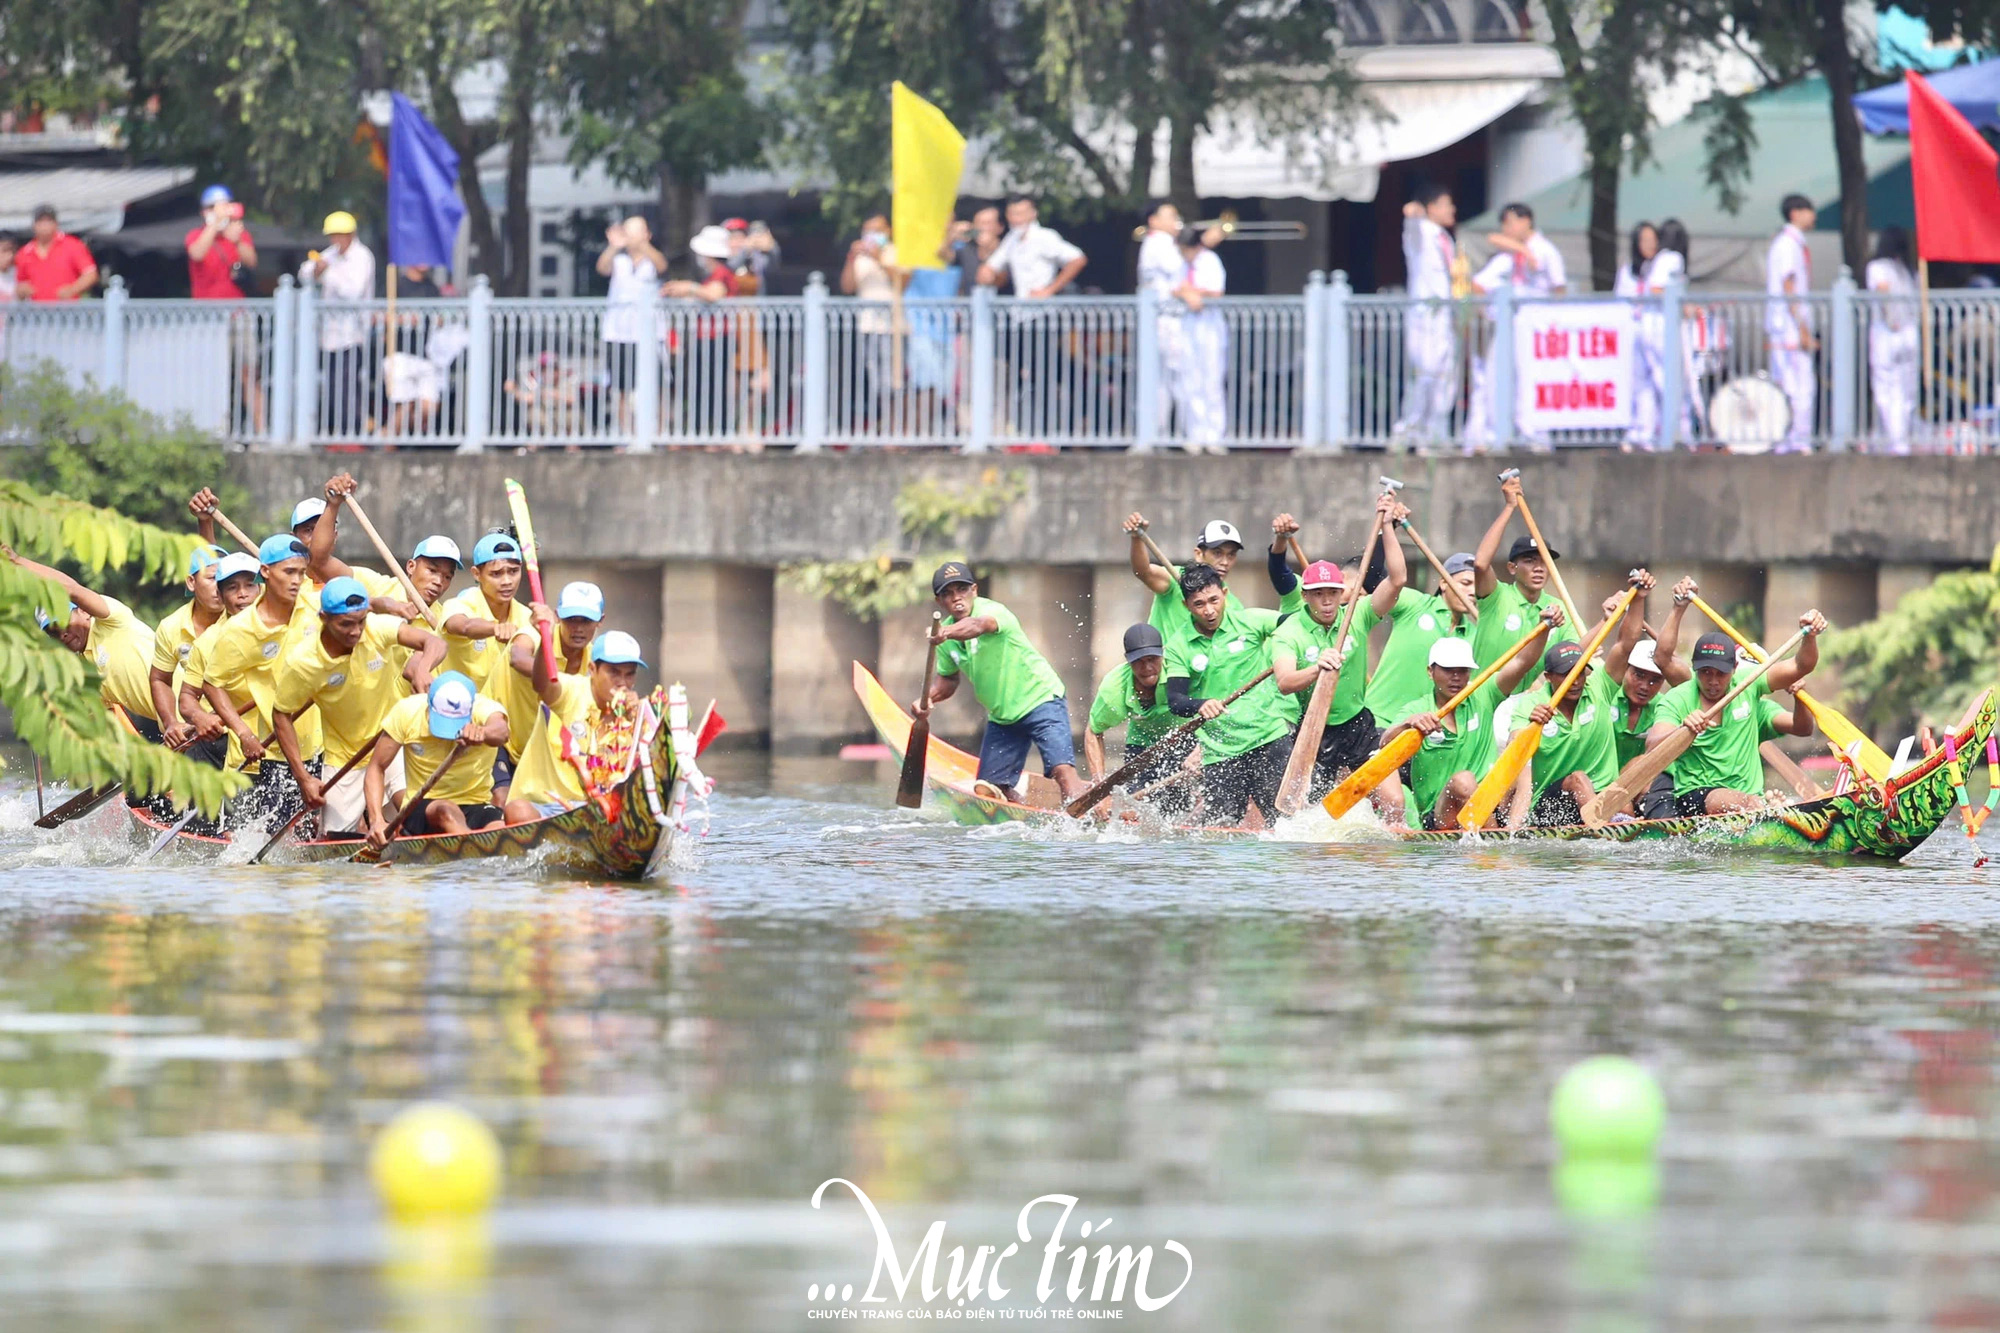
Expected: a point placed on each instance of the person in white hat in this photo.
(1459, 747)
(580, 704)
(432, 565)
(704, 374)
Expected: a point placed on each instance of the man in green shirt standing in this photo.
(1021, 693)
(1401, 683)
(1131, 693)
(1722, 771)
(1243, 750)
(1507, 609)
(1459, 748)
(1304, 647)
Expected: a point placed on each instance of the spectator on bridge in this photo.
(221, 261)
(634, 265)
(1194, 344)
(1893, 337)
(1431, 260)
(344, 273)
(1529, 263)
(752, 252)
(1788, 319)
(704, 380)
(53, 265)
(8, 247)
(968, 245)
(1040, 264)
(871, 274)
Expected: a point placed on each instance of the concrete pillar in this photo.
(815, 642)
(1053, 604)
(901, 671)
(1845, 593)
(715, 638)
(1894, 582)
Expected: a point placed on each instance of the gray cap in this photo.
(1143, 641)
(1460, 561)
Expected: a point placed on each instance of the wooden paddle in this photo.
(84, 803)
(1101, 788)
(1548, 556)
(396, 567)
(1639, 774)
(1795, 777)
(292, 823)
(410, 808)
(242, 538)
(524, 532)
(1499, 781)
(1840, 733)
(916, 751)
(1153, 550)
(1453, 595)
(1399, 751)
(1296, 784)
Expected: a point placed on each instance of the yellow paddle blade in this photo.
(1843, 733)
(1498, 784)
(1371, 774)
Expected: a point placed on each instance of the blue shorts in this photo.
(1003, 751)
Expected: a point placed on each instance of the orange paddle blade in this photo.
(1371, 774)
(1498, 783)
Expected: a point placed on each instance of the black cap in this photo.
(1561, 658)
(1143, 641)
(1713, 652)
(1524, 547)
(950, 572)
(44, 211)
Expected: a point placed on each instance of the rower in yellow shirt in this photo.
(424, 729)
(545, 783)
(104, 630)
(431, 567)
(236, 587)
(239, 676)
(349, 675)
(173, 640)
(479, 624)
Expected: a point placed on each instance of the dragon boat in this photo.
(1887, 819)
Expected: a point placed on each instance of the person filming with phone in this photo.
(221, 255)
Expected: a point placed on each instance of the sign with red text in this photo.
(1573, 365)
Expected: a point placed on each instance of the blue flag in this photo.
(424, 208)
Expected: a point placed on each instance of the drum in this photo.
(1750, 414)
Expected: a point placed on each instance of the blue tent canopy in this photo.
(1973, 89)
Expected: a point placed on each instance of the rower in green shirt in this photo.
(1243, 750)
(1722, 770)
(1645, 679)
(1132, 693)
(1218, 547)
(1507, 609)
(1304, 647)
(1401, 683)
(1021, 693)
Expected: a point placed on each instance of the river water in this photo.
(1321, 1071)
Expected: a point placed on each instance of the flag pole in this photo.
(389, 252)
(1924, 323)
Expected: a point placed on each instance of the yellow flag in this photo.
(927, 156)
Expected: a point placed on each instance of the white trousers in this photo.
(1892, 381)
(1432, 349)
(346, 808)
(1792, 368)
(1193, 351)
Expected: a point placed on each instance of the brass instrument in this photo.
(1235, 229)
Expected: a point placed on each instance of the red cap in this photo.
(735, 224)
(1322, 574)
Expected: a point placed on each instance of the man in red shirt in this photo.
(53, 265)
(217, 246)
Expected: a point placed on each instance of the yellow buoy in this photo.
(435, 1160)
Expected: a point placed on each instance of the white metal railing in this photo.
(1322, 369)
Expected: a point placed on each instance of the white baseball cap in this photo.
(438, 547)
(1642, 657)
(580, 601)
(236, 562)
(1453, 654)
(1219, 531)
(305, 511)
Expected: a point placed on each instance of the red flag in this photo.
(1955, 176)
(712, 726)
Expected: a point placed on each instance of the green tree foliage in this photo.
(1926, 659)
(932, 516)
(100, 450)
(52, 692)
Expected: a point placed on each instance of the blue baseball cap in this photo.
(216, 194)
(450, 699)
(203, 557)
(279, 548)
(342, 595)
(616, 647)
(495, 546)
(583, 601)
(439, 548)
